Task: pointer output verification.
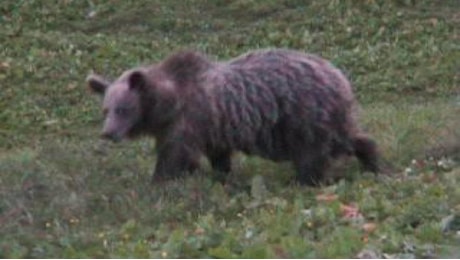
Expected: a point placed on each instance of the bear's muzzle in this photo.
(114, 137)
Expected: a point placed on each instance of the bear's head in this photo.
(147, 100)
(133, 104)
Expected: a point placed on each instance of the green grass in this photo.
(65, 193)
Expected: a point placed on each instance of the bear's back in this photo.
(260, 98)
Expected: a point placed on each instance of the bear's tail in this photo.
(365, 150)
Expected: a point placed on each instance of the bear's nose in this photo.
(110, 136)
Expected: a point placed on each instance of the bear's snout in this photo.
(111, 136)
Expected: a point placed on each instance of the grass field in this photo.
(66, 193)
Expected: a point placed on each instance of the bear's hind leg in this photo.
(310, 167)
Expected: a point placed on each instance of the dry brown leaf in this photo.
(326, 197)
(350, 211)
(369, 227)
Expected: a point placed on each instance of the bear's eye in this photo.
(122, 111)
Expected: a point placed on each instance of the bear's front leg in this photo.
(221, 161)
(173, 161)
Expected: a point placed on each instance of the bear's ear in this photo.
(97, 84)
(137, 80)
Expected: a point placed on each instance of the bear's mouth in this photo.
(114, 137)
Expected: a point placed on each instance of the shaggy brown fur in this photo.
(278, 104)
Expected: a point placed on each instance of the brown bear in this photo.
(276, 103)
